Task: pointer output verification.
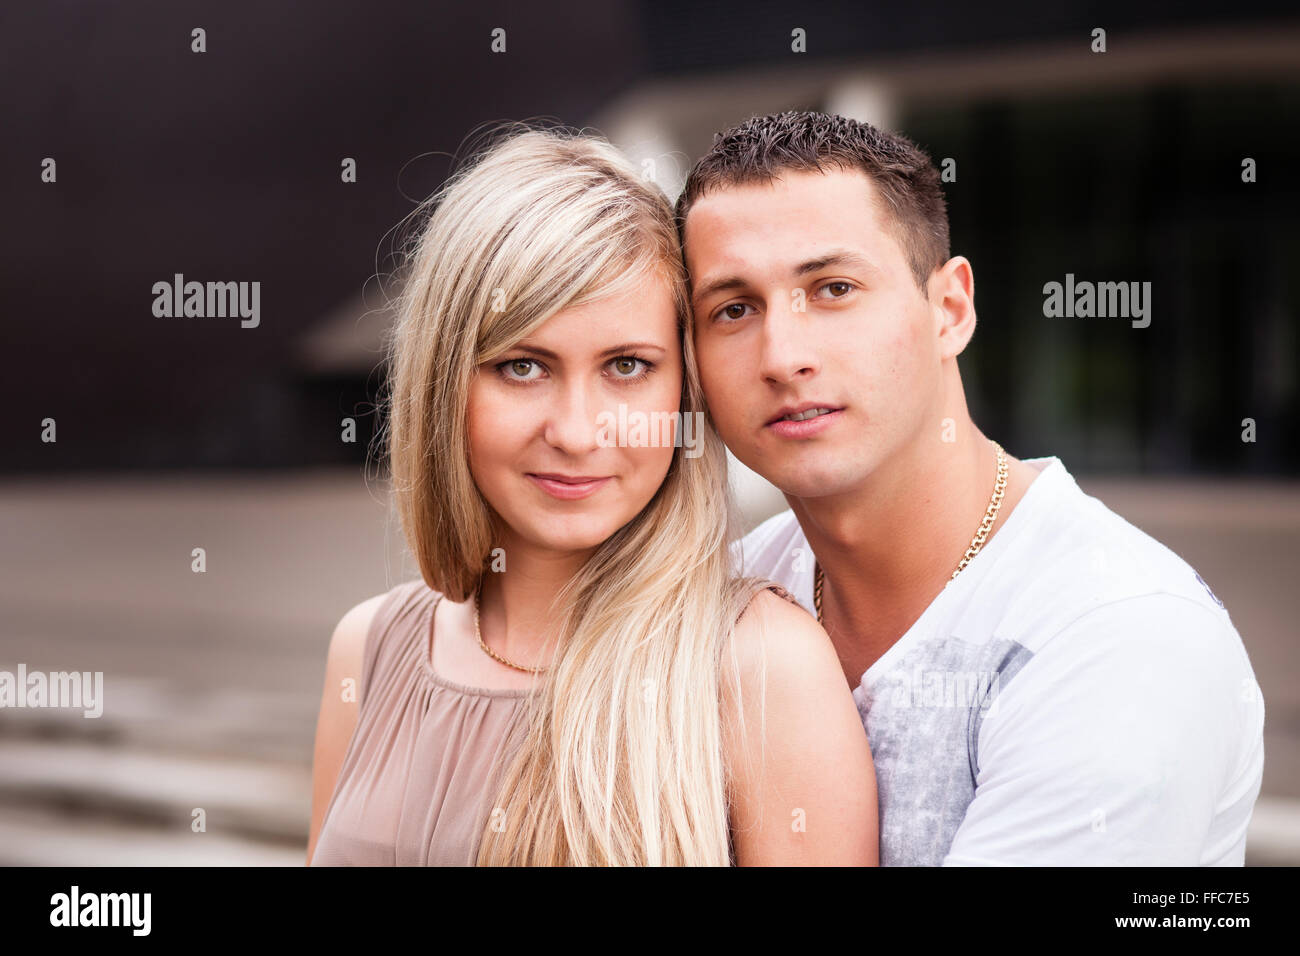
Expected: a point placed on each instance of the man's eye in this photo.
(844, 287)
(726, 312)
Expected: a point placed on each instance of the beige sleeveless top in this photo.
(423, 761)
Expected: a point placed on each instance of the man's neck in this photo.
(888, 547)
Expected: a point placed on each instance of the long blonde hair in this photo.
(621, 759)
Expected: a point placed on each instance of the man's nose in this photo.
(788, 340)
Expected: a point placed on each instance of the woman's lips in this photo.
(808, 427)
(566, 490)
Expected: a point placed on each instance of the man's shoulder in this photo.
(1086, 558)
(773, 540)
(1133, 664)
(1100, 592)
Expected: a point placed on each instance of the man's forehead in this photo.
(788, 221)
(792, 185)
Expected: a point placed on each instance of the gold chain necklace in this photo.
(487, 650)
(990, 515)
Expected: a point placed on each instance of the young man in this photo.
(1040, 681)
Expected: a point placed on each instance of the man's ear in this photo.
(951, 293)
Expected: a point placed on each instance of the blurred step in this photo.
(35, 837)
(243, 799)
(158, 714)
(1274, 835)
(67, 800)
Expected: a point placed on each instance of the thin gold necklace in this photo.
(990, 515)
(487, 650)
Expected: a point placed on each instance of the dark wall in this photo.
(1127, 186)
(224, 166)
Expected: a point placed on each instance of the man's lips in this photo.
(803, 409)
(808, 427)
(568, 487)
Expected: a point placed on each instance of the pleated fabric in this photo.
(426, 756)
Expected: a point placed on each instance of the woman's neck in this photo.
(516, 616)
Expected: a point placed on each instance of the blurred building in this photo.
(1117, 166)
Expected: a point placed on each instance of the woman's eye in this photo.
(630, 367)
(517, 370)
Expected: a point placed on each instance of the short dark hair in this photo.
(758, 150)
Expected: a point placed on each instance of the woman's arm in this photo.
(804, 791)
(338, 718)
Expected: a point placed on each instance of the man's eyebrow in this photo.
(616, 350)
(834, 257)
(713, 286)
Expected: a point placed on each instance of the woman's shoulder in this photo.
(357, 619)
(794, 740)
(769, 601)
(348, 642)
(771, 589)
(347, 665)
(350, 634)
(774, 631)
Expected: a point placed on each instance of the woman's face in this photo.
(546, 448)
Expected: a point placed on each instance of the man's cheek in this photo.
(899, 358)
(713, 374)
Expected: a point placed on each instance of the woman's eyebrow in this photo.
(616, 350)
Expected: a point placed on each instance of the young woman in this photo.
(578, 678)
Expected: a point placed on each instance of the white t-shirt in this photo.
(1076, 696)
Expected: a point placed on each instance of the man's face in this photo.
(802, 298)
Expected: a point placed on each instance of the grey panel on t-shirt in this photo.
(923, 718)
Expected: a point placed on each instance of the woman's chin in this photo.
(573, 537)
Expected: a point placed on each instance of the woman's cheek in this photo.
(490, 425)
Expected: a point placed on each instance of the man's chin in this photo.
(807, 484)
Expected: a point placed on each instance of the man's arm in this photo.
(1119, 743)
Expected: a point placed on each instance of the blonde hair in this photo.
(621, 759)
